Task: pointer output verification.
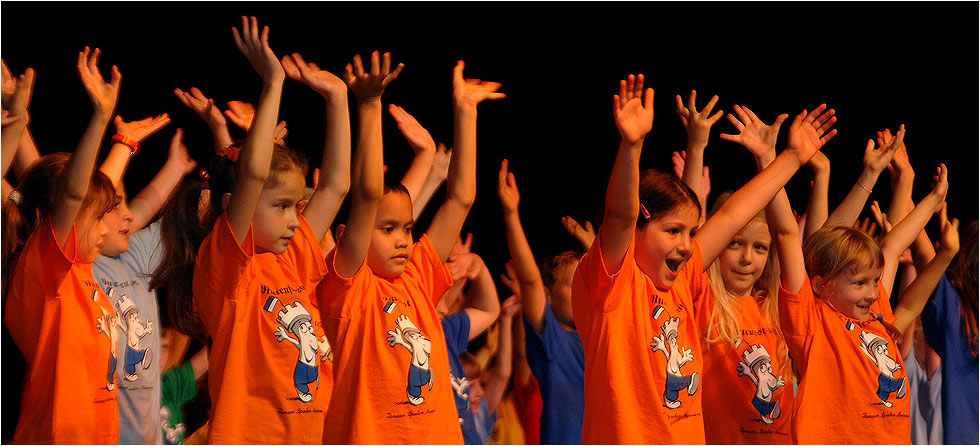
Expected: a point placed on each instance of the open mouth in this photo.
(674, 264)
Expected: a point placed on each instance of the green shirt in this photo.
(178, 386)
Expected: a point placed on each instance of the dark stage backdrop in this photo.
(877, 64)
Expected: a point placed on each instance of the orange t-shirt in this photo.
(391, 370)
(642, 352)
(857, 391)
(748, 395)
(269, 377)
(62, 323)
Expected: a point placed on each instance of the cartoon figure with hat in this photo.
(135, 331)
(877, 349)
(757, 365)
(667, 343)
(409, 336)
(296, 320)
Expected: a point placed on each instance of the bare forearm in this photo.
(693, 165)
(26, 155)
(918, 292)
(256, 157)
(817, 207)
(533, 299)
(418, 172)
(151, 199)
(368, 164)
(429, 188)
(219, 131)
(847, 212)
(116, 162)
(461, 181)
(334, 183)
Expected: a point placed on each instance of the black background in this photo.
(877, 64)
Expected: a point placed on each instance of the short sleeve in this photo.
(221, 259)
(936, 315)
(336, 295)
(178, 385)
(305, 255)
(145, 250)
(433, 274)
(795, 309)
(598, 281)
(538, 345)
(883, 304)
(47, 261)
(457, 329)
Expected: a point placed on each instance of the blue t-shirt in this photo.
(480, 426)
(557, 359)
(457, 329)
(126, 279)
(943, 328)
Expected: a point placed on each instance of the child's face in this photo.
(561, 294)
(165, 341)
(852, 292)
(665, 244)
(91, 232)
(744, 259)
(391, 238)
(118, 222)
(276, 216)
(476, 394)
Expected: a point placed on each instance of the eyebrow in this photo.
(392, 221)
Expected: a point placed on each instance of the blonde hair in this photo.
(831, 250)
(723, 326)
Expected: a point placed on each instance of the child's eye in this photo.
(673, 231)
(762, 247)
(386, 229)
(408, 229)
(691, 234)
(734, 244)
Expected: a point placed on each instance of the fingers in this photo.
(358, 66)
(711, 106)
(376, 63)
(630, 85)
(502, 175)
(681, 109)
(779, 121)
(692, 101)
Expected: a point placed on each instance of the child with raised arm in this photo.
(840, 328)
(635, 291)
(379, 298)
(54, 309)
(256, 270)
(127, 258)
(554, 349)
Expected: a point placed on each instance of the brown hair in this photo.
(962, 275)
(552, 265)
(38, 197)
(661, 193)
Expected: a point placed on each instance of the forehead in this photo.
(756, 230)
(285, 184)
(395, 207)
(683, 214)
(857, 272)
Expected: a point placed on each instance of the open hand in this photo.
(950, 238)
(510, 306)
(698, 124)
(418, 137)
(321, 81)
(178, 153)
(878, 159)
(470, 92)
(754, 134)
(633, 109)
(584, 234)
(255, 47)
(102, 95)
(507, 191)
(142, 129)
(371, 84)
(202, 105)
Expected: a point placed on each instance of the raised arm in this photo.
(437, 175)
(74, 182)
(461, 183)
(334, 181)
(898, 239)
(422, 144)
(496, 385)
(875, 161)
(482, 304)
(633, 113)
(256, 154)
(817, 207)
(584, 234)
(209, 112)
(698, 126)
(367, 170)
(533, 295)
(126, 144)
(16, 100)
(918, 292)
(805, 140)
(902, 179)
(146, 204)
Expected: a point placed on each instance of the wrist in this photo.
(464, 107)
(696, 145)
(867, 180)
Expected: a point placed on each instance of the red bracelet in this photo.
(132, 143)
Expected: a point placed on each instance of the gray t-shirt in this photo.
(125, 279)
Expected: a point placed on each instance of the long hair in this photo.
(186, 220)
(661, 193)
(962, 275)
(38, 191)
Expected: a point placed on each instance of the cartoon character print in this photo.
(876, 348)
(757, 365)
(676, 358)
(171, 435)
(296, 320)
(135, 332)
(419, 374)
(107, 324)
(461, 387)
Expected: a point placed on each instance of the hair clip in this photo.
(644, 212)
(15, 197)
(205, 176)
(230, 152)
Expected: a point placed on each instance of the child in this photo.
(54, 309)
(178, 385)
(840, 328)
(634, 306)
(554, 349)
(949, 322)
(255, 271)
(379, 298)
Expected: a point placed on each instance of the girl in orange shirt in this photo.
(634, 292)
(255, 272)
(63, 324)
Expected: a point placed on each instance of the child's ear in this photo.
(818, 284)
(340, 231)
(224, 201)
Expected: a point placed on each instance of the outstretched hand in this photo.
(202, 105)
(810, 131)
(418, 137)
(633, 109)
(255, 47)
(242, 113)
(507, 191)
(510, 278)
(470, 92)
(103, 96)
(878, 159)
(754, 134)
(950, 238)
(321, 81)
(584, 234)
(369, 85)
(142, 129)
(940, 183)
(179, 154)
(698, 124)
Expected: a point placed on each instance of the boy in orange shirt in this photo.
(379, 297)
